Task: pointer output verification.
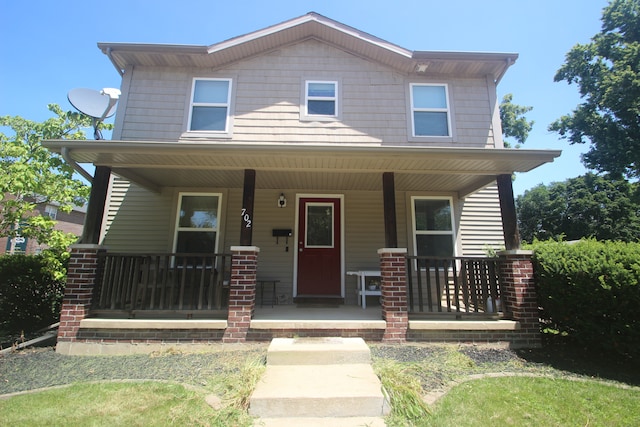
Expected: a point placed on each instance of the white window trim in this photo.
(304, 113)
(415, 232)
(228, 104)
(448, 110)
(51, 211)
(177, 219)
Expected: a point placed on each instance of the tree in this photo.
(607, 72)
(586, 206)
(31, 173)
(514, 124)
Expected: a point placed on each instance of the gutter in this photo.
(66, 155)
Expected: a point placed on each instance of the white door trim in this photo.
(297, 236)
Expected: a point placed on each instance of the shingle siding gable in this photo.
(268, 93)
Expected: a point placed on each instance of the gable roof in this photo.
(309, 26)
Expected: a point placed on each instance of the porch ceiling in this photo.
(155, 165)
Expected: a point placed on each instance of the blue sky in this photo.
(48, 48)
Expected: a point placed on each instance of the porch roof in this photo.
(154, 164)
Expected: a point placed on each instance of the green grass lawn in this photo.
(525, 401)
(108, 404)
(506, 401)
(549, 397)
(229, 375)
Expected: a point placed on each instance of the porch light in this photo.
(282, 201)
(421, 67)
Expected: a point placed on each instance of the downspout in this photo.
(66, 155)
(113, 61)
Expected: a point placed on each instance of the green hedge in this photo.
(589, 291)
(31, 291)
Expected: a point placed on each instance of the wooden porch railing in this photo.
(457, 286)
(181, 284)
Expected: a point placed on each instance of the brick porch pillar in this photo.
(393, 269)
(519, 295)
(82, 273)
(242, 293)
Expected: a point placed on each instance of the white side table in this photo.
(363, 292)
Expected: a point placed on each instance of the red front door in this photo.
(319, 260)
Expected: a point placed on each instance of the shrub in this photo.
(31, 291)
(590, 292)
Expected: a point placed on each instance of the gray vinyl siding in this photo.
(155, 104)
(274, 261)
(138, 220)
(363, 233)
(470, 101)
(269, 89)
(481, 223)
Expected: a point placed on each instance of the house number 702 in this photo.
(246, 217)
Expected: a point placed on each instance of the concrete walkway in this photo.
(319, 382)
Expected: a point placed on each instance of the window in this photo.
(210, 105)
(433, 226)
(321, 98)
(319, 224)
(197, 223)
(51, 211)
(430, 110)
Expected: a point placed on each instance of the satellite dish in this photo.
(97, 104)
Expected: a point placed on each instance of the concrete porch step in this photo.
(323, 381)
(318, 351)
(318, 391)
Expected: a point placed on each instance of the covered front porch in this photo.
(197, 286)
(375, 183)
(459, 317)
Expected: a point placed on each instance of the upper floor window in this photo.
(51, 211)
(210, 105)
(430, 110)
(433, 230)
(321, 98)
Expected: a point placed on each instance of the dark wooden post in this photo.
(389, 196)
(246, 223)
(508, 212)
(97, 202)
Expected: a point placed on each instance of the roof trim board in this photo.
(309, 26)
(310, 17)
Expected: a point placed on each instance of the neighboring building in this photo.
(313, 142)
(70, 222)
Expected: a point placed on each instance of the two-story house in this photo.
(67, 222)
(311, 145)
